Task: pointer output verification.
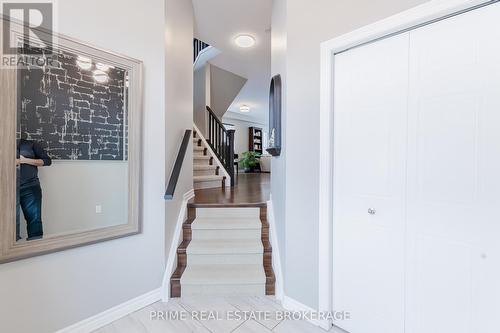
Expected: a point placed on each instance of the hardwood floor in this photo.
(142, 322)
(252, 189)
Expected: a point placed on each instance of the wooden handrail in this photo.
(221, 141)
(212, 113)
(176, 171)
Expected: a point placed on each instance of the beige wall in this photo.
(217, 88)
(224, 87)
(179, 103)
(307, 24)
(73, 189)
(201, 97)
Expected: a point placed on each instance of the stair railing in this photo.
(198, 46)
(176, 171)
(221, 141)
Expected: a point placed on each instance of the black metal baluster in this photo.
(230, 159)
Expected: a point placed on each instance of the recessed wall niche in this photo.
(63, 106)
(274, 144)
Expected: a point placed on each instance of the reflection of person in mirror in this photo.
(30, 156)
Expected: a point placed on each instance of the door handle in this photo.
(372, 211)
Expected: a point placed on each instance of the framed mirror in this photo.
(70, 139)
(274, 143)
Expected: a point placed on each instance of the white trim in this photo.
(419, 15)
(325, 249)
(279, 289)
(108, 316)
(293, 305)
(188, 195)
(172, 254)
(204, 56)
(211, 152)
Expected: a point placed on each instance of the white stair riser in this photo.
(227, 234)
(224, 290)
(228, 212)
(209, 184)
(204, 172)
(223, 259)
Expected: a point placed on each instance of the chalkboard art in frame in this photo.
(74, 106)
(274, 144)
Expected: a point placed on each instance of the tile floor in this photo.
(141, 322)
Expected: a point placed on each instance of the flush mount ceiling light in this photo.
(103, 67)
(84, 62)
(100, 76)
(244, 108)
(245, 41)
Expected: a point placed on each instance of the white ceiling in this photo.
(218, 22)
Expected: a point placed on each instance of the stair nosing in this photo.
(232, 246)
(225, 278)
(226, 223)
(210, 178)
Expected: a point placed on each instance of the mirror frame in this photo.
(10, 250)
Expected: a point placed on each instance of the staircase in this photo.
(213, 157)
(225, 251)
(206, 172)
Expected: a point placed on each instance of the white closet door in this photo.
(454, 175)
(370, 137)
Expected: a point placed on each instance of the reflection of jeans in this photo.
(29, 199)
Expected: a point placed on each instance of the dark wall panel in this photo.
(75, 117)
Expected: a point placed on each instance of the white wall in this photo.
(179, 102)
(307, 24)
(72, 190)
(241, 132)
(278, 164)
(50, 292)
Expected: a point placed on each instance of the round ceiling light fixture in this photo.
(84, 62)
(100, 76)
(103, 67)
(245, 41)
(244, 108)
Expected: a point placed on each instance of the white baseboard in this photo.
(106, 317)
(273, 238)
(176, 240)
(294, 305)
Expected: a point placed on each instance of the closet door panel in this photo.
(369, 173)
(453, 175)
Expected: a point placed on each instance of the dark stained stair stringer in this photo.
(175, 285)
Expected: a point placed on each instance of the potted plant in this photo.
(249, 161)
